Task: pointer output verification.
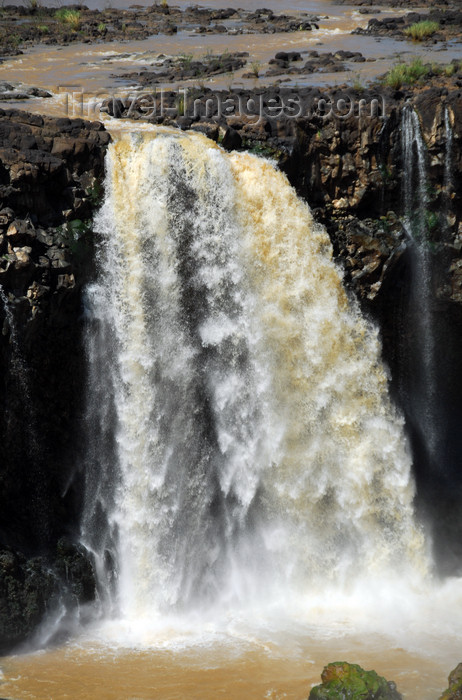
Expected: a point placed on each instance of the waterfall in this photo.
(449, 136)
(242, 443)
(18, 364)
(421, 321)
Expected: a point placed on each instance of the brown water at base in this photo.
(250, 670)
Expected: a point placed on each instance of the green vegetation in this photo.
(95, 193)
(422, 30)
(69, 17)
(101, 27)
(77, 235)
(11, 40)
(255, 68)
(262, 149)
(386, 173)
(229, 81)
(449, 70)
(406, 74)
(42, 28)
(186, 60)
(431, 221)
(181, 106)
(357, 84)
(411, 73)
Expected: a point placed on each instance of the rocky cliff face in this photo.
(50, 175)
(350, 170)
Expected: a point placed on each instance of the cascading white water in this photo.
(242, 441)
(416, 207)
(18, 364)
(449, 137)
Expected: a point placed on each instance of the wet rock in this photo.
(209, 129)
(317, 63)
(171, 68)
(344, 680)
(32, 588)
(27, 590)
(454, 689)
(20, 232)
(73, 565)
(231, 139)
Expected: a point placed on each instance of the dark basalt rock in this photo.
(50, 181)
(32, 588)
(184, 68)
(449, 21)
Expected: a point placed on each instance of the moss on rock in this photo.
(344, 681)
(454, 691)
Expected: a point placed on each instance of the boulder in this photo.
(344, 681)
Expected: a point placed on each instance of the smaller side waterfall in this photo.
(448, 182)
(421, 321)
(18, 364)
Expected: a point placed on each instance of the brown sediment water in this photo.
(242, 670)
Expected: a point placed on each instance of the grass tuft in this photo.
(69, 17)
(422, 30)
(406, 74)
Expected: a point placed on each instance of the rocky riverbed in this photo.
(442, 25)
(25, 26)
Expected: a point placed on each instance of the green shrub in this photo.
(357, 84)
(422, 30)
(69, 17)
(186, 60)
(450, 70)
(406, 74)
(255, 68)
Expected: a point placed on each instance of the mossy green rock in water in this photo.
(454, 692)
(343, 681)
